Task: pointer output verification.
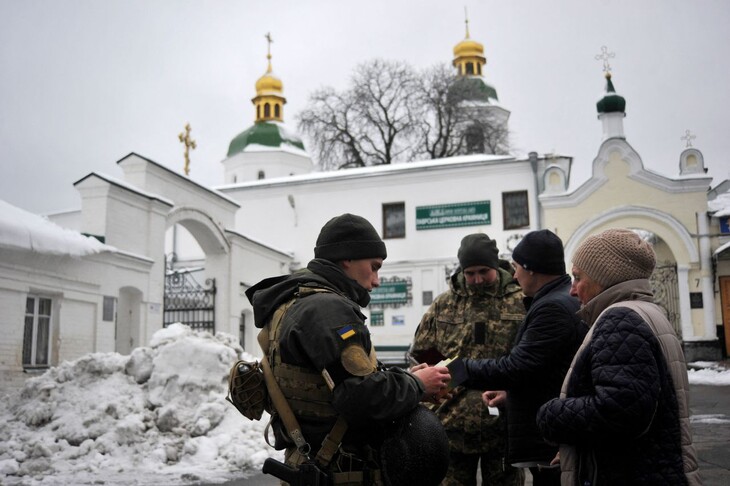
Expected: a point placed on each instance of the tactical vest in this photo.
(309, 395)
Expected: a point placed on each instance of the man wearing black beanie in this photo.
(533, 371)
(322, 357)
(477, 317)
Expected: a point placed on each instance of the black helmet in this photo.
(416, 450)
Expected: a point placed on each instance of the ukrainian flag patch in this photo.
(346, 332)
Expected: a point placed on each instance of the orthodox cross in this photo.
(605, 56)
(268, 49)
(189, 144)
(688, 137)
(466, 21)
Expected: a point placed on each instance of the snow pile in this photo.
(158, 416)
(708, 373)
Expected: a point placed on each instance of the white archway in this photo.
(666, 227)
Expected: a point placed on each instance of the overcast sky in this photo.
(85, 82)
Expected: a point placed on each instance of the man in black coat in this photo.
(534, 369)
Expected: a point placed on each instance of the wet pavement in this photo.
(710, 411)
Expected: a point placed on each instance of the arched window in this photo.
(267, 110)
(479, 69)
(258, 111)
(469, 68)
(261, 175)
(277, 111)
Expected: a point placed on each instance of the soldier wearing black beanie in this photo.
(349, 237)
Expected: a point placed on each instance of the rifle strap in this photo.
(333, 440)
(284, 410)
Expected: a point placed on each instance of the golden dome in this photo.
(269, 83)
(468, 48)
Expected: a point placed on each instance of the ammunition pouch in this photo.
(247, 389)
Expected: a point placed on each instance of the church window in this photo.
(258, 111)
(267, 110)
(474, 138)
(37, 332)
(262, 175)
(469, 68)
(108, 313)
(277, 111)
(479, 69)
(515, 210)
(394, 220)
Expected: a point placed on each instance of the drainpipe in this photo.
(532, 156)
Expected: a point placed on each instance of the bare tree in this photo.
(392, 114)
(369, 124)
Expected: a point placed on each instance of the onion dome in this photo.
(264, 135)
(469, 56)
(269, 84)
(611, 102)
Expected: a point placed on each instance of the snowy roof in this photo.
(22, 230)
(720, 206)
(375, 170)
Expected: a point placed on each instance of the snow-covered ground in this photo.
(158, 416)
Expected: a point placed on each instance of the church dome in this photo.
(476, 89)
(611, 102)
(268, 83)
(265, 134)
(469, 48)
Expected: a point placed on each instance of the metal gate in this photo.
(188, 302)
(666, 293)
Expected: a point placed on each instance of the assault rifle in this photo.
(307, 474)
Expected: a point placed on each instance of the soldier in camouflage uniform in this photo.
(477, 317)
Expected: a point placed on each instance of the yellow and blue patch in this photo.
(346, 332)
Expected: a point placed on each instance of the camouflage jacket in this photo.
(472, 322)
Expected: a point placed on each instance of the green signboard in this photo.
(453, 215)
(390, 293)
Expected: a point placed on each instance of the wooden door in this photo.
(725, 302)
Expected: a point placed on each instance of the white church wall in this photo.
(289, 213)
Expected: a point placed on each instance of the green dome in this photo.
(264, 133)
(611, 103)
(475, 89)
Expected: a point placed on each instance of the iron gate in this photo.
(666, 293)
(188, 302)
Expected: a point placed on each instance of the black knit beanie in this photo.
(541, 252)
(478, 249)
(349, 237)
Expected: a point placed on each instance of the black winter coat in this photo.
(314, 333)
(534, 369)
(620, 410)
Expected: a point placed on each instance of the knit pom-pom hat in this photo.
(614, 256)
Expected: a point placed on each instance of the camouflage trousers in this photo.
(463, 470)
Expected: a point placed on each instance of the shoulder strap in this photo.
(269, 344)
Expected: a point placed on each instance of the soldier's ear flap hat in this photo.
(349, 237)
(478, 249)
